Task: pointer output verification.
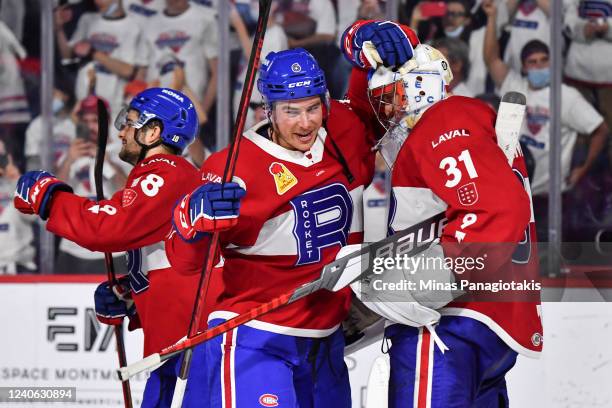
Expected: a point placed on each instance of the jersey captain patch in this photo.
(283, 178)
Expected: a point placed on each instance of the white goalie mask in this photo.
(410, 89)
(399, 97)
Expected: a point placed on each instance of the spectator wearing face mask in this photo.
(63, 131)
(453, 20)
(577, 115)
(437, 19)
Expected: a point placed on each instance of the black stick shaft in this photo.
(230, 165)
(108, 259)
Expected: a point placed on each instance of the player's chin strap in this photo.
(339, 156)
(143, 147)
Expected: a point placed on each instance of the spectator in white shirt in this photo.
(63, 131)
(589, 58)
(577, 115)
(112, 41)
(77, 168)
(16, 252)
(456, 53)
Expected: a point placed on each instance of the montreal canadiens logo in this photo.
(268, 400)
(536, 339)
(296, 67)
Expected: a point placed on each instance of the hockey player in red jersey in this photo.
(445, 158)
(304, 170)
(154, 130)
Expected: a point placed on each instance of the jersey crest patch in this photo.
(322, 219)
(468, 195)
(128, 197)
(283, 178)
(268, 400)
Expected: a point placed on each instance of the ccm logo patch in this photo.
(268, 400)
(298, 84)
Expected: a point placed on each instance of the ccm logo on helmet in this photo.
(268, 400)
(173, 94)
(298, 84)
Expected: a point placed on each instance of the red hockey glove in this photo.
(35, 190)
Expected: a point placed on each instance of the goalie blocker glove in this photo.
(209, 208)
(369, 43)
(113, 305)
(35, 190)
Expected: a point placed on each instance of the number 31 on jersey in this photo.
(449, 164)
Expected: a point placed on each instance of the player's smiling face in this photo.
(130, 150)
(297, 122)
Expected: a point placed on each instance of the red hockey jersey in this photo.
(298, 211)
(137, 219)
(451, 163)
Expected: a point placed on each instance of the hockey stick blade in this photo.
(331, 278)
(509, 122)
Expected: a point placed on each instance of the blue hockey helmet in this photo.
(290, 74)
(172, 108)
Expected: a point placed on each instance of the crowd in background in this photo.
(113, 49)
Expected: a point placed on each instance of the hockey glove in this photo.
(369, 43)
(211, 207)
(113, 305)
(35, 190)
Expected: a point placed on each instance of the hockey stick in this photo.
(108, 259)
(331, 278)
(230, 165)
(508, 123)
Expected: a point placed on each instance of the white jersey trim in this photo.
(491, 324)
(154, 257)
(292, 156)
(417, 204)
(276, 235)
(271, 239)
(275, 328)
(357, 221)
